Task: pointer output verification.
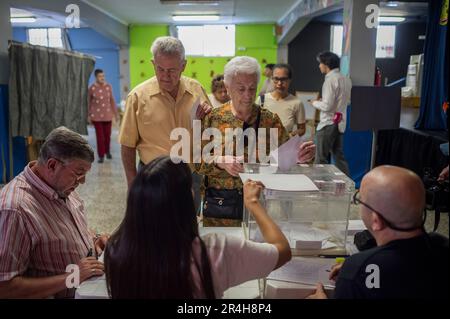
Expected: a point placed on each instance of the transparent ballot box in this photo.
(314, 221)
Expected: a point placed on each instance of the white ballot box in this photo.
(310, 203)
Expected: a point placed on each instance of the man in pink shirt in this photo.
(43, 226)
(102, 109)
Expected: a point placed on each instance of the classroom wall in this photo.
(19, 34)
(256, 40)
(141, 38)
(105, 51)
(302, 52)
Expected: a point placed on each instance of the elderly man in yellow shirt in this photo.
(157, 106)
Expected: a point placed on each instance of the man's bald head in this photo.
(397, 193)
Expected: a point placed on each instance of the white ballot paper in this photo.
(308, 271)
(283, 182)
(287, 154)
(194, 109)
(303, 237)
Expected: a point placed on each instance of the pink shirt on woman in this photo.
(102, 106)
(233, 261)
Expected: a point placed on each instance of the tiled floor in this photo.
(105, 190)
(105, 193)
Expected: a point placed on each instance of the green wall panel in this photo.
(256, 40)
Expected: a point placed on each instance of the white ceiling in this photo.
(231, 11)
(44, 19)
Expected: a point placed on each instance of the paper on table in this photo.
(93, 288)
(308, 271)
(283, 182)
(194, 109)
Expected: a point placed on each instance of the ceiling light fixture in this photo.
(196, 4)
(392, 4)
(195, 17)
(391, 19)
(23, 19)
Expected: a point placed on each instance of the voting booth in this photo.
(310, 204)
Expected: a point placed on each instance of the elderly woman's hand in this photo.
(203, 110)
(252, 192)
(306, 152)
(232, 164)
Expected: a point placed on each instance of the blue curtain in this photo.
(357, 151)
(435, 76)
(15, 147)
(4, 135)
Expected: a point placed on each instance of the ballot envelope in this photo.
(310, 204)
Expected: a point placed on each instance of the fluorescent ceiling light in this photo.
(392, 4)
(196, 4)
(391, 19)
(20, 13)
(23, 20)
(195, 17)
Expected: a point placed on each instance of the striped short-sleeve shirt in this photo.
(40, 233)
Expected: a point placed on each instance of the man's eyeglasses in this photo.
(356, 200)
(77, 175)
(282, 80)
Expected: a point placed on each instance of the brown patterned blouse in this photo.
(223, 118)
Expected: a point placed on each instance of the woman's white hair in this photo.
(241, 65)
(167, 46)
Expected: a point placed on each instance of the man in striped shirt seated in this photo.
(43, 227)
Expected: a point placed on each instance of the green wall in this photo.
(256, 40)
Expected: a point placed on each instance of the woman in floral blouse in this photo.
(242, 76)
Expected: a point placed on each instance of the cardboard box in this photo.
(413, 101)
(412, 69)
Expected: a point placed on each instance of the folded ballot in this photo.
(300, 236)
(303, 237)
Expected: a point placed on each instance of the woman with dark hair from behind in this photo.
(157, 252)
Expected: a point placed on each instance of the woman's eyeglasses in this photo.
(282, 80)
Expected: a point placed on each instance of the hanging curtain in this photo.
(47, 88)
(435, 77)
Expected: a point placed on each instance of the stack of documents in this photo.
(308, 271)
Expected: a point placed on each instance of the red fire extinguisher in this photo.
(377, 81)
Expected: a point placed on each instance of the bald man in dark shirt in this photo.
(407, 262)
